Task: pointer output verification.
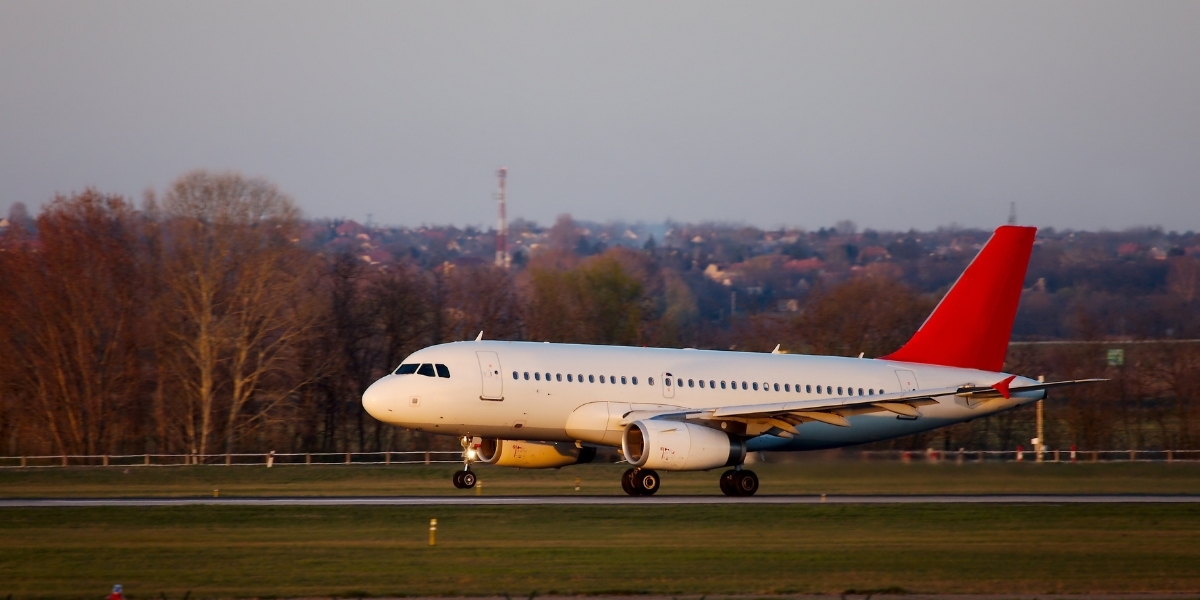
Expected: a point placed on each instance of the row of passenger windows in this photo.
(426, 369)
(710, 384)
(579, 378)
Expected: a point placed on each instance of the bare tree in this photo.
(232, 273)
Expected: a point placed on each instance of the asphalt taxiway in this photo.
(599, 500)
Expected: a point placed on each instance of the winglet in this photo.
(776, 350)
(479, 337)
(1002, 386)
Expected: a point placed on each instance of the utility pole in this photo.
(503, 259)
(1040, 444)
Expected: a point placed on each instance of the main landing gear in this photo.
(640, 482)
(465, 479)
(739, 482)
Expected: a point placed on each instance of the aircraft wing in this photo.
(781, 418)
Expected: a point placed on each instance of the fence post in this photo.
(1170, 456)
(427, 458)
(270, 459)
(958, 460)
(1132, 455)
(347, 458)
(308, 458)
(147, 460)
(1056, 456)
(22, 461)
(1020, 453)
(387, 458)
(1095, 456)
(1073, 453)
(228, 459)
(979, 456)
(64, 460)
(106, 460)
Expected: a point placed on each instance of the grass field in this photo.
(815, 477)
(362, 551)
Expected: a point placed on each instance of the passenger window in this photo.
(860, 391)
(526, 375)
(515, 376)
(635, 380)
(547, 377)
(743, 385)
(668, 381)
(569, 380)
(601, 379)
(787, 387)
(443, 371)
(808, 389)
(558, 376)
(580, 378)
(701, 382)
(712, 384)
(622, 380)
(426, 370)
(649, 381)
(755, 386)
(537, 376)
(691, 383)
(612, 379)
(722, 384)
(777, 387)
(592, 379)
(871, 392)
(407, 369)
(839, 390)
(818, 389)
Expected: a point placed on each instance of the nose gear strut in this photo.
(465, 479)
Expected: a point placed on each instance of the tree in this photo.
(69, 320)
(232, 280)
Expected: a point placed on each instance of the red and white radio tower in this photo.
(502, 257)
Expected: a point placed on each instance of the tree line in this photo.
(200, 322)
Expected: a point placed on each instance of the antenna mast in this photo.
(502, 257)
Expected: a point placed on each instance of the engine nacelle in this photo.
(679, 446)
(532, 455)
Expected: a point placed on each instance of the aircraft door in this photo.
(908, 380)
(493, 381)
(668, 382)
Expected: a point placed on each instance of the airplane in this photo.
(549, 405)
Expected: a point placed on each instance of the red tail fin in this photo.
(970, 326)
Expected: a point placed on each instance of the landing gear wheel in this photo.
(627, 482)
(458, 482)
(468, 480)
(646, 482)
(745, 483)
(726, 483)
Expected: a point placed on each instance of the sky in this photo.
(894, 115)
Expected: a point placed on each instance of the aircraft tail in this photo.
(971, 326)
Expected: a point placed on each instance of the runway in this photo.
(597, 500)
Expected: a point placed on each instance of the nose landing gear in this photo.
(738, 482)
(640, 482)
(465, 479)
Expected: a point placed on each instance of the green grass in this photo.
(359, 551)
(809, 477)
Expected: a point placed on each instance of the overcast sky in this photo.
(891, 114)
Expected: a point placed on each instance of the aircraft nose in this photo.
(374, 399)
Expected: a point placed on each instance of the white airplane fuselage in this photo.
(584, 394)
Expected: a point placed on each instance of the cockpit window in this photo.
(407, 369)
(426, 370)
(443, 371)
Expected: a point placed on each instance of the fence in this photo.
(240, 459)
(1057, 456)
(455, 457)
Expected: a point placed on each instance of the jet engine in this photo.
(679, 446)
(532, 455)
